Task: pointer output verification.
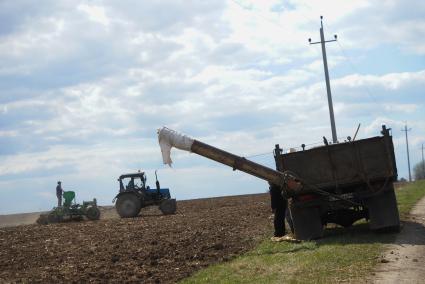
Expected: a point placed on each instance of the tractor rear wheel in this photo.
(128, 205)
(93, 213)
(168, 206)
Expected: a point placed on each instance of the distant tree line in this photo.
(419, 171)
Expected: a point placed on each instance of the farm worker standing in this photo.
(59, 192)
(279, 205)
(280, 210)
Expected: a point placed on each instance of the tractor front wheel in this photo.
(168, 206)
(128, 205)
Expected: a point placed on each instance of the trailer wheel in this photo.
(128, 205)
(383, 211)
(306, 221)
(93, 213)
(168, 206)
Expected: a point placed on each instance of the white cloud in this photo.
(408, 108)
(379, 121)
(95, 13)
(10, 133)
(391, 23)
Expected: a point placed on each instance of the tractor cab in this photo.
(131, 182)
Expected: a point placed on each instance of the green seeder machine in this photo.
(70, 211)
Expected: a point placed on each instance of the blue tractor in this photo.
(134, 195)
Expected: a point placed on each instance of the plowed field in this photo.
(152, 248)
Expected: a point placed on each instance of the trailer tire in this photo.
(128, 205)
(168, 206)
(307, 222)
(383, 211)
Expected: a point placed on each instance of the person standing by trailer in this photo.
(59, 192)
(279, 204)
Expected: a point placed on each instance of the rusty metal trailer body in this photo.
(361, 173)
(338, 183)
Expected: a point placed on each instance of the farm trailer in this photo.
(334, 183)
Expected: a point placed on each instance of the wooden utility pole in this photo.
(328, 85)
(423, 162)
(407, 148)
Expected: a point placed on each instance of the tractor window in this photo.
(130, 184)
(133, 182)
(142, 181)
(138, 183)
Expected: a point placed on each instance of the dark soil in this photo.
(150, 248)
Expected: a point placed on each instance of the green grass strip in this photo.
(343, 255)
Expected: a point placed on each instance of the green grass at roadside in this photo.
(408, 195)
(343, 255)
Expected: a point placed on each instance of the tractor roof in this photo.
(138, 174)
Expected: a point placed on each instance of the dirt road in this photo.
(404, 260)
(150, 249)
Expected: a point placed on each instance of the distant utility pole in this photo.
(328, 85)
(423, 162)
(407, 147)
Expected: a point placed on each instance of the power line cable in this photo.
(357, 71)
(260, 154)
(353, 66)
(292, 147)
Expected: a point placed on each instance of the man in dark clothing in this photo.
(279, 206)
(278, 202)
(59, 192)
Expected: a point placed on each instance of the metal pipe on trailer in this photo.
(169, 138)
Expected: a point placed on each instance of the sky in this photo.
(84, 85)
